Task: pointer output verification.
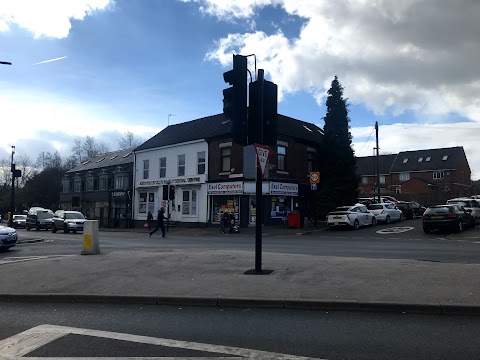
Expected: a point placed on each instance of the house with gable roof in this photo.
(210, 174)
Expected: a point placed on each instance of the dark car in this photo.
(39, 218)
(447, 217)
(411, 209)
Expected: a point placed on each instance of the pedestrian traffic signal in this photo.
(171, 192)
(235, 99)
(165, 192)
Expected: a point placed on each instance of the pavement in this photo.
(217, 278)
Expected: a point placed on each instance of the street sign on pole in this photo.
(262, 156)
(314, 177)
(313, 186)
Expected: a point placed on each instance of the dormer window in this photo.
(445, 157)
(428, 158)
(405, 161)
(113, 157)
(99, 160)
(124, 156)
(420, 159)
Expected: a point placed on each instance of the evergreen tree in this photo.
(339, 181)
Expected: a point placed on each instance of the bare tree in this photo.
(128, 140)
(77, 150)
(102, 148)
(24, 163)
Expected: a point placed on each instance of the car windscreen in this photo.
(438, 210)
(18, 217)
(44, 215)
(342, 208)
(76, 215)
(375, 207)
(460, 202)
(400, 205)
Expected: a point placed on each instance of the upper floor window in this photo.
(201, 162)
(445, 157)
(103, 183)
(438, 174)
(146, 168)
(310, 161)
(78, 186)
(405, 176)
(282, 154)
(121, 182)
(89, 185)
(405, 161)
(66, 186)
(420, 159)
(226, 153)
(428, 158)
(382, 179)
(163, 167)
(181, 165)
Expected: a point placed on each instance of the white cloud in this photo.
(49, 18)
(395, 56)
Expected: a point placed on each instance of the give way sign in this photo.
(262, 156)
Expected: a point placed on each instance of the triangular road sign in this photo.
(262, 156)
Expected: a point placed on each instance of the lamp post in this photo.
(12, 202)
(168, 119)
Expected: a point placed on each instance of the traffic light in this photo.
(269, 121)
(165, 192)
(235, 99)
(171, 192)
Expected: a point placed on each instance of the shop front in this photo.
(120, 208)
(239, 197)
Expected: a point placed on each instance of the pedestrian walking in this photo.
(224, 222)
(160, 225)
(149, 220)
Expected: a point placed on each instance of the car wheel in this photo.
(387, 219)
(414, 216)
(54, 229)
(356, 224)
(401, 217)
(27, 227)
(374, 222)
(460, 226)
(65, 229)
(426, 230)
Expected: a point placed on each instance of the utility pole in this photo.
(12, 201)
(378, 158)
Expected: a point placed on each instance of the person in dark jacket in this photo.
(225, 221)
(160, 225)
(149, 220)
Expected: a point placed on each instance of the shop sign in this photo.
(226, 188)
(175, 181)
(120, 194)
(283, 188)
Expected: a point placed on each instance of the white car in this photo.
(8, 237)
(351, 216)
(386, 212)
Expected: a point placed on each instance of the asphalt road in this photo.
(404, 240)
(317, 334)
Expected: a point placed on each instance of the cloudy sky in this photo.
(125, 65)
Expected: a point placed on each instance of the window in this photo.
(163, 167)
(146, 168)
(181, 165)
(438, 174)
(405, 161)
(445, 157)
(189, 203)
(89, 184)
(428, 158)
(121, 182)
(103, 183)
(420, 159)
(201, 162)
(310, 160)
(142, 203)
(78, 186)
(365, 180)
(398, 190)
(282, 153)
(404, 176)
(66, 186)
(382, 179)
(226, 153)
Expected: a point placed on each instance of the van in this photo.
(39, 218)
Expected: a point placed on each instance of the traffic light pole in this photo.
(258, 187)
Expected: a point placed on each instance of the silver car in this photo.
(386, 212)
(68, 221)
(8, 237)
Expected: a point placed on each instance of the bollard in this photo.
(91, 243)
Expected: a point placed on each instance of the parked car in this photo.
(351, 216)
(68, 221)
(39, 218)
(373, 200)
(386, 212)
(8, 237)
(411, 209)
(19, 221)
(468, 204)
(449, 217)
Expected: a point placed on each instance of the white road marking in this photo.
(16, 259)
(395, 230)
(22, 344)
